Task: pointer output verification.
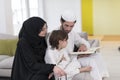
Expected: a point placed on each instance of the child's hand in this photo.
(50, 75)
(86, 69)
(63, 59)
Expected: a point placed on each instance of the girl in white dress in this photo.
(57, 55)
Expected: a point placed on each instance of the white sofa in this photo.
(93, 42)
(7, 51)
(7, 56)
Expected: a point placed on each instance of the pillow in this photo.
(8, 46)
(7, 63)
(12, 44)
(84, 35)
(3, 47)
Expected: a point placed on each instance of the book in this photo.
(89, 51)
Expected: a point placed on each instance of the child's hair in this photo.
(55, 36)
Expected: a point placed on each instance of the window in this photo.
(23, 9)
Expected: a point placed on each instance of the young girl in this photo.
(57, 55)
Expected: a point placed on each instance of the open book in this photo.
(89, 51)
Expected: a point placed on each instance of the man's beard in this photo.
(64, 30)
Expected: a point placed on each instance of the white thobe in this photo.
(71, 67)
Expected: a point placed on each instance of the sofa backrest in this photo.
(84, 35)
(8, 44)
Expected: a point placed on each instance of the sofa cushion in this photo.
(6, 63)
(3, 57)
(3, 47)
(12, 46)
(84, 35)
(8, 46)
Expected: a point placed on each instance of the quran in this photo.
(89, 51)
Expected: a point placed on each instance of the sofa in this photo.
(93, 42)
(7, 50)
(8, 46)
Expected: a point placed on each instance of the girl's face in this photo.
(43, 31)
(62, 43)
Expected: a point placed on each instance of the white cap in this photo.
(68, 16)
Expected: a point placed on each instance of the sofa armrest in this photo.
(93, 42)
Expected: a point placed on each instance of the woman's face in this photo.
(43, 31)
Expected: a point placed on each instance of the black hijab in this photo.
(29, 61)
(30, 30)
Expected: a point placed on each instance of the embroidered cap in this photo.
(68, 16)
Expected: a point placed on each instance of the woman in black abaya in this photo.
(29, 61)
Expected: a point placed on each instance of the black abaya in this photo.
(29, 61)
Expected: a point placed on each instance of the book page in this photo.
(89, 51)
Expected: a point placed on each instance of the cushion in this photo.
(12, 46)
(3, 57)
(3, 47)
(6, 63)
(94, 43)
(84, 35)
(8, 46)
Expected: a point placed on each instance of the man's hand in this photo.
(82, 48)
(86, 69)
(50, 75)
(58, 71)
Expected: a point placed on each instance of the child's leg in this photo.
(95, 73)
(101, 64)
(86, 61)
(82, 76)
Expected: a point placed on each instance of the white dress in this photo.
(95, 73)
(75, 39)
(71, 67)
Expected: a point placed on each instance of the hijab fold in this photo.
(30, 30)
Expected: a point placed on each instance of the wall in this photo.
(106, 16)
(53, 9)
(5, 17)
(87, 16)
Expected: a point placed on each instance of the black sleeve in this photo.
(31, 63)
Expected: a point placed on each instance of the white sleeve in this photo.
(65, 62)
(78, 40)
(49, 57)
(73, 67)
(47, 39)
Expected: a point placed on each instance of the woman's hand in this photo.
(50, 75)
(58, 71)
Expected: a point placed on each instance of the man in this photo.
(68, 21)
(67, 24)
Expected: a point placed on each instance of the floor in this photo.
(111, 55)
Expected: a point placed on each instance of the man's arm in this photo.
(81, 42)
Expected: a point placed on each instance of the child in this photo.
(57, 55)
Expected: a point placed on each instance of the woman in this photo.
(29, 61)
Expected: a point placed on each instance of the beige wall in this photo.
(106, 17)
